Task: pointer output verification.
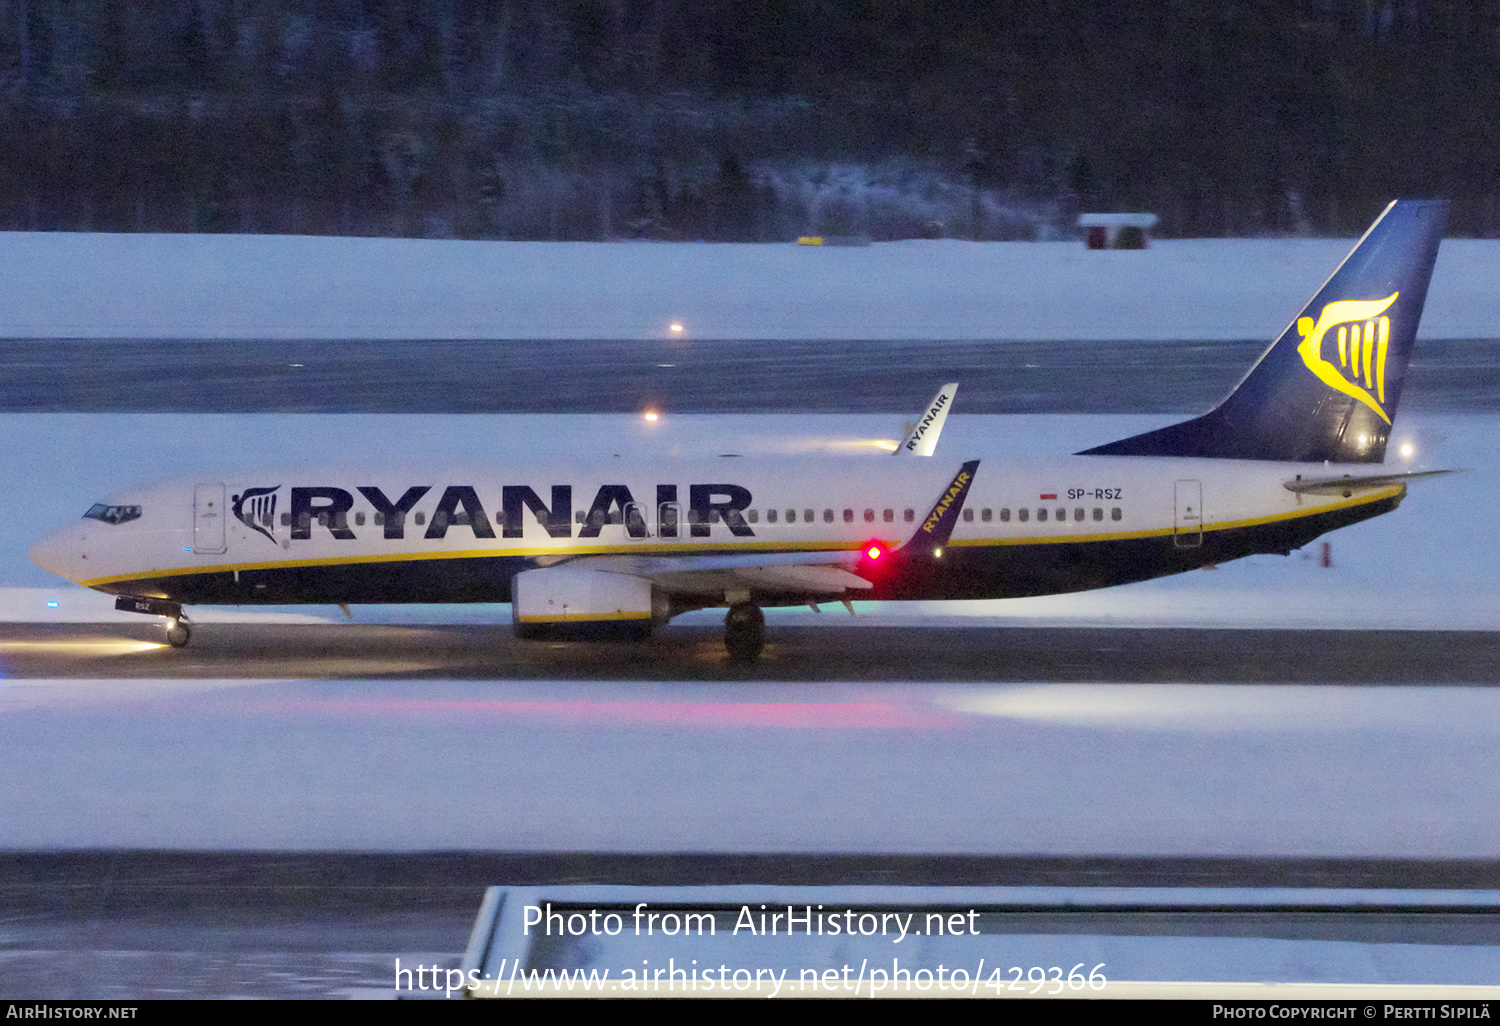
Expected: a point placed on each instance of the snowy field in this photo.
(63, 285)
(763, 766)
(1430, 564)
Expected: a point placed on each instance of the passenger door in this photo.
(208, 518)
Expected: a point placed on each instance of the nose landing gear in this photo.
(178, 632)
(744, 632)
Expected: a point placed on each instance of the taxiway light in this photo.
(676, 327)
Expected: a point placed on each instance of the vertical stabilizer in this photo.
(1327, 389)
(922, 439)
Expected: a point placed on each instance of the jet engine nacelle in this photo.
(566, 601)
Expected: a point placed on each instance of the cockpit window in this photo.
(112, 514)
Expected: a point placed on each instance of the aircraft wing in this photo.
(811, 573)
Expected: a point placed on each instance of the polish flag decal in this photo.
(1052, 496)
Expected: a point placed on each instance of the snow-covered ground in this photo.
(764, 766)
(64, 285)
(1430, 564)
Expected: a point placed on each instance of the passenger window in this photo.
(581, 517)
(1114, 514)
(791, 516)
(359, 520)
(1098, 513)
(1024, 514)
(828, 516)
(1041, 514)
(986, 514)
(869, 516)
(807, 515)
(969, 516)
(1062, 516)
(1078, 514)
(420, 518)
(1005, 515)
(909, 515)
(286, 519)
(848, 516)
(889, 516)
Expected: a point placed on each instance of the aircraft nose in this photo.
(58, 553)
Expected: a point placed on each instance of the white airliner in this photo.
(618, 547)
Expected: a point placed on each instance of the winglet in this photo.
(938, 524)
(923, 437)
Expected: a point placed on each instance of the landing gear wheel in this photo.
(178, 633)
(744, 632)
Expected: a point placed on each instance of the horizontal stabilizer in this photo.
(1349, 482)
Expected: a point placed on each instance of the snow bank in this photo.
(64, 285)
(1431, 564)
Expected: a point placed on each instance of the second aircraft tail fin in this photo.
(922, 439)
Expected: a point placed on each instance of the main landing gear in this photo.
(744, 632)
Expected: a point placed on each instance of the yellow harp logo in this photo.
(1363, 335)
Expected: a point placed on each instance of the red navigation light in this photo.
(874, 552)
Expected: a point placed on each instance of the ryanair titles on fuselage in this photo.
(328, 507)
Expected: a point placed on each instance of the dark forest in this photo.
(756, 120)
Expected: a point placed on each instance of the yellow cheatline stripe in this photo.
(729, 547)
(1167, 532)
(580, 618)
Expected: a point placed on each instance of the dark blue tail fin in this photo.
(1327, 388)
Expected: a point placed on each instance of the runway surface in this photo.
(1180, 744)
(517, 376)
(833, 653)
(795, 653)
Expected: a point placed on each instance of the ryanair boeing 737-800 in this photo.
(1294, 451)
